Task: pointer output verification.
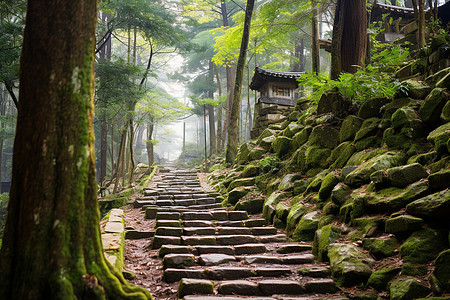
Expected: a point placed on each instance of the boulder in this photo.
(340, 193)
(256, 153)
(328, 183)
(301, 137)
(368, 128)
(431, 109)
(241, 182)
(291, 130)
(371, 107)
(281, 145)
(270, 205)
(243, 152)
(287, 182)
(324, 137)
(349, 266)
(237, 193)
(423, 246)
(344, 157)
(405, 175)
(444, 82)
(250, 171)
(396, 140)
(403, 224)
(442, 269)
(435, 206)
(295, 214)
(334, 102)
(381, 247)
(252, 206)
(350, 127)
(407, 288)
(307, 227)
(362, 173)
(439, 180)
(445, 114)
(404, 117)
(301, 185)
(439, 137)
(324, 236)
(317, 157)
(410, 269)
(416, 89)
(380, 278)
(266, 142)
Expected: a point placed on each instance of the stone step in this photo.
(211, 230)
(242, 249)
(265, 287)
(151, 210)
(210, 240)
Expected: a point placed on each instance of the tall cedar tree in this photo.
(233, 129)
(349, 44)
(51, 247)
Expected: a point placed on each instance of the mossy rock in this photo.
(291, 130)
(243, 152)
(189, 286)
(344, 156)
(424, 158)
(381, 247)
(301, 185)
(362, 173)
(349, 266)
(324, 137)
(380, 278)
(317, 157)
(405, 175)
(368, 128)
(295, 213)
(266, 142)
(423, 246)
(415, 89)
(325, 220)
(407, 288)
(439, 137)
(442, 269)
(395, 104)
(349, 128)
(241, 182)
(362, 156)
(330, 208)
(338, 151)
(307, 227)
(281, 145)
(270, 205)
(404, 116)
(403, 224)
(328, 183)
(282, 211)
(252, 206)
(444, 83)
(443, 163)
(250, 170)
(392, 199)
(396, 140)
(372, 107)
(431, 109)
(409, 269)
(324, 236)
(435, 206)
(315, 184)
(237, 193)
(270, 163)
(340, 193)
(439, 180)
(256, 154)
(368, 142)
(445, 114)
(301, 137)
(287, 182)
(332, 101)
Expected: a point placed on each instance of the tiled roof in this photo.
(263, 75)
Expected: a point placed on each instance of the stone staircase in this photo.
(216, 253)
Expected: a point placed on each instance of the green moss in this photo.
(328, 183)
(409, 269)
(307, 227)
(324, 237)
(380, 278)
(381, 247)
(407, 288)
(295, 213)
(442, 269)
(423, 246)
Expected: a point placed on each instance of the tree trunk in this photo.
(103, 149)
(211, 119)
(149, 144)
(419, 15)
(52, 247)
(219, 137)
(233, 130)
(131, 135)
(315, 48)
(348, 50)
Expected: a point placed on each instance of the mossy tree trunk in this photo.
(52, 247)
(348, 49)
(233, 130)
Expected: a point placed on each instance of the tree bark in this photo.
(219, 137)
(52, 247)
(348, 50)
(233, 130)
(211, 119)
(149, 143)
(315, 48)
